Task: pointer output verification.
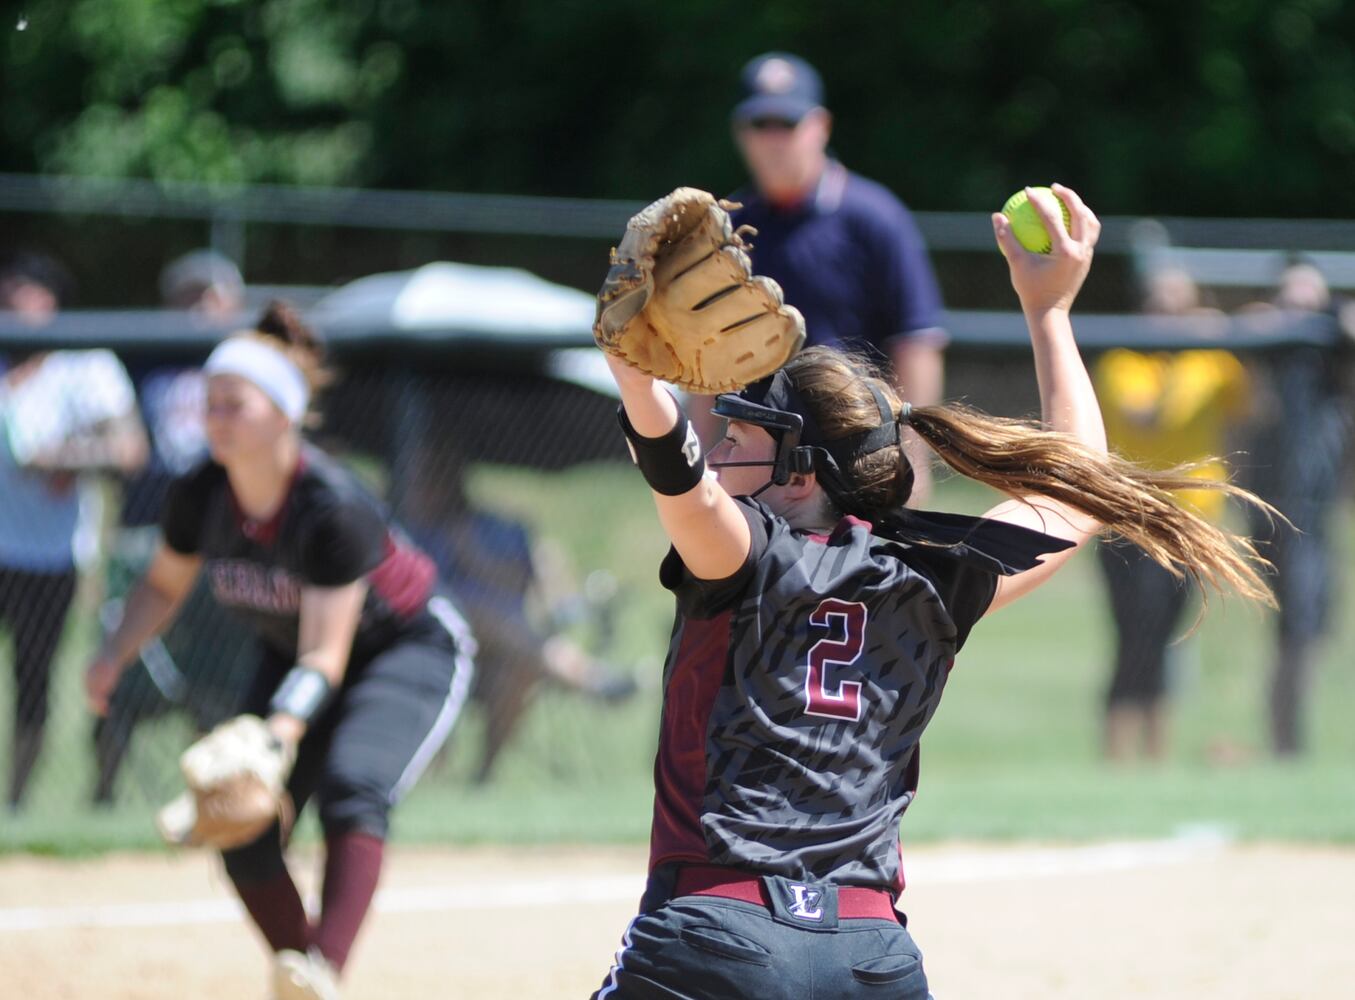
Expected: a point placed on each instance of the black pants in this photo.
(1147, 603)
(392, 714)
(33, 607)
(708, 948)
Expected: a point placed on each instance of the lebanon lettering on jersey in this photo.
(240, 583)
(797, 711)
(327, 525)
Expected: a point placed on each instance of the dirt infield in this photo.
(1191, 918)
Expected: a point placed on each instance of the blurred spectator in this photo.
(1171, 291)
(202, 662)
(515, 594)
(844, 249)
(205, 282)
(63, 413)
(33, 287)
(1303, 288)
(1300, 456)
(1162, 410)
(207, 285)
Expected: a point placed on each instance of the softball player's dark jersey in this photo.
(794, 696)
(328, 532)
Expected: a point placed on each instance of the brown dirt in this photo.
(1258, 922)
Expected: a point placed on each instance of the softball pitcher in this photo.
(818, 619)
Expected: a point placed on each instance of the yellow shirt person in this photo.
(1167, 409)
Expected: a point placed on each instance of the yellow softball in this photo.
(1027, 225)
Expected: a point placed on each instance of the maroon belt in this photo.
(854, 902)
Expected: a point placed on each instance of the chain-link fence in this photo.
(494, 443)
(484, 470)
(514, 479)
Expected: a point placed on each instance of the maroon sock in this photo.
(278, 911)
(352, 867)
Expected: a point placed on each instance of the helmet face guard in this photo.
(774, 405)
(784, 426)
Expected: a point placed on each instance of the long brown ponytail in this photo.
(1020, 458)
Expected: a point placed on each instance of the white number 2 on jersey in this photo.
(843, 701)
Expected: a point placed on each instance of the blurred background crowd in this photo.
(170, 167)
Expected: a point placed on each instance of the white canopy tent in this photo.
(447, 300)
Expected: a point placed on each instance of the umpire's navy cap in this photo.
(778, 85)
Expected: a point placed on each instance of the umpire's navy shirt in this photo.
(850, 258)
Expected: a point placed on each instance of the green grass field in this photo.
(1013, 752)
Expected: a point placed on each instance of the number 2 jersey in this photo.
(795, 693)
(328, 532)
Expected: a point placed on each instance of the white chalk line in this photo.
(972, 866)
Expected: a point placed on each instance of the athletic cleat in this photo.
(304, 976)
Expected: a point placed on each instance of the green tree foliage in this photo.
(1215, 107)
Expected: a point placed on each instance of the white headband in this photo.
(269, 369)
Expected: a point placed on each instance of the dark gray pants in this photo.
(392, 714)
(33, 608)
(1148, 603)
(709, 948)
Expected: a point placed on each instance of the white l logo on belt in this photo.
(806, 905)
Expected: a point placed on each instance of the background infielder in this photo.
(364, 668)
(818, 620)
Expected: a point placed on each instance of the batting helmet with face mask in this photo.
(775, 405)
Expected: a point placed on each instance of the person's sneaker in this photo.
(303, 976)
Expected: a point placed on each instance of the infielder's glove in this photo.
(236, 776)
(681, 302)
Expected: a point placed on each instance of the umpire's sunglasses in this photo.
(770, 125)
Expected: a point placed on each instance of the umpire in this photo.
(844, 249)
